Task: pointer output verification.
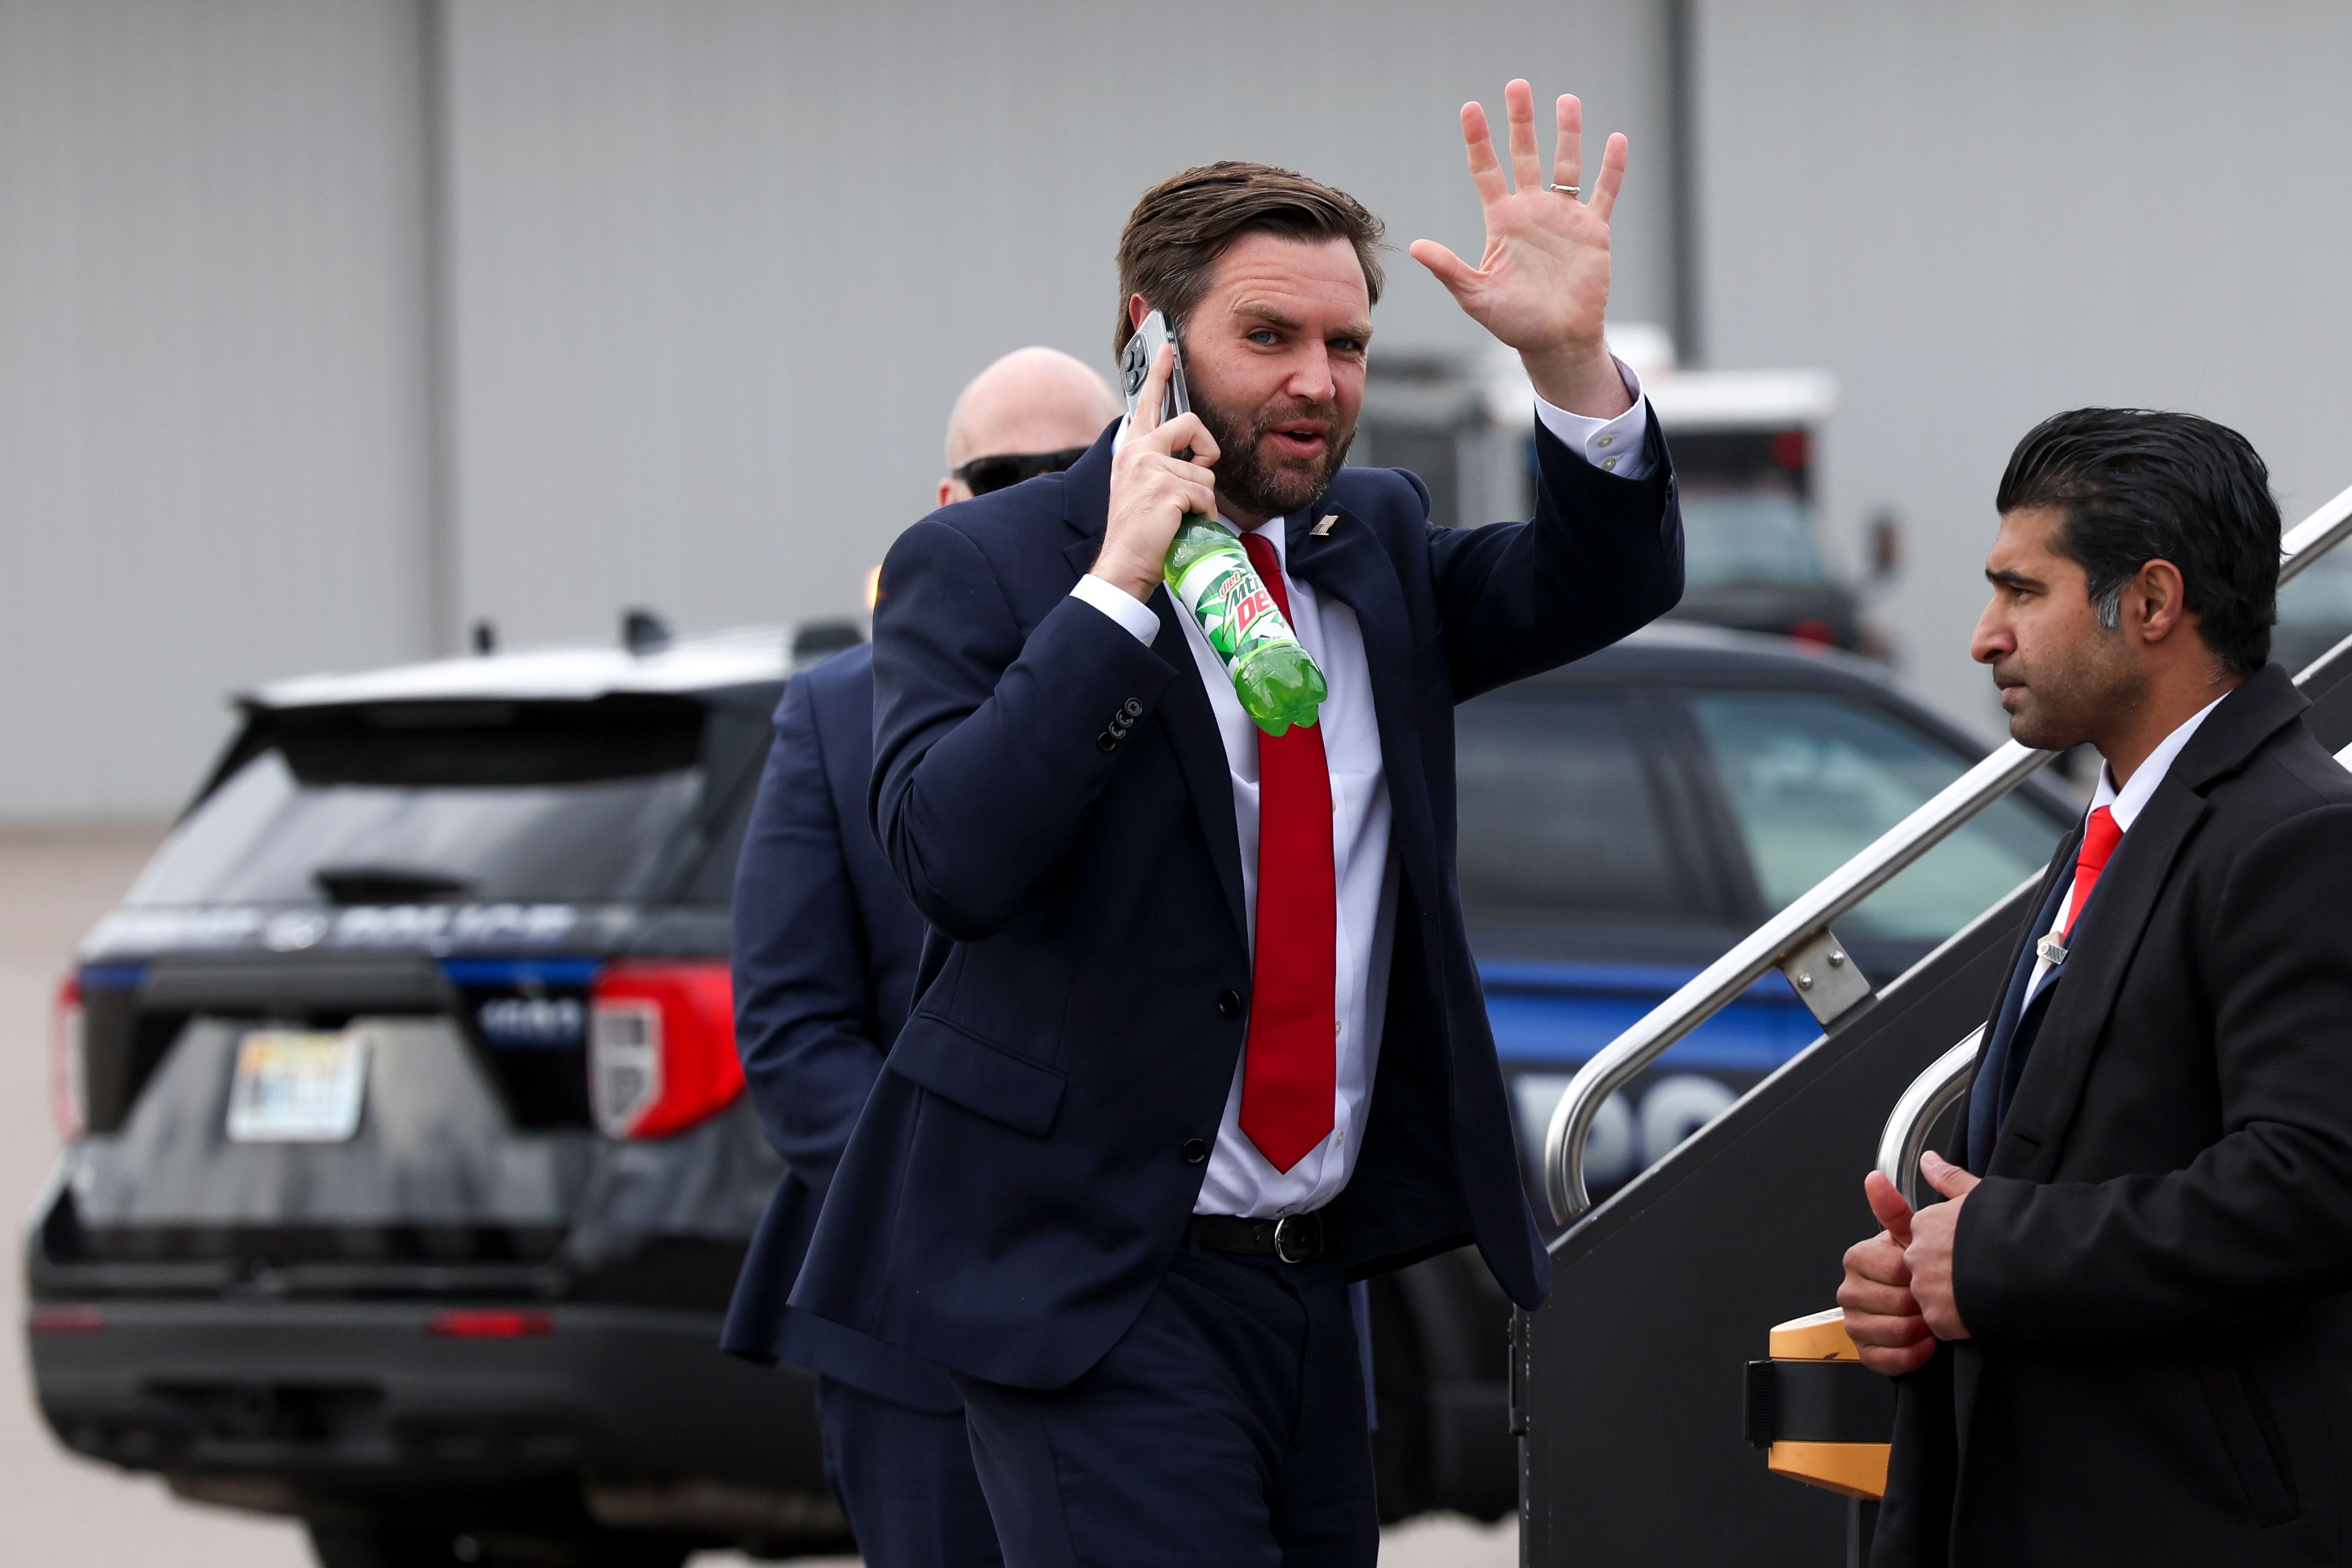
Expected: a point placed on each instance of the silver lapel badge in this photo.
(1323, 529)
(2051, 950)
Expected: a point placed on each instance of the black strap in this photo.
(1294, 1238)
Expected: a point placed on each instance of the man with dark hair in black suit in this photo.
(2125, 1335)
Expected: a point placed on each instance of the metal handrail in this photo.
(1807, 921)
(1931, 1094)
(2316, 535)
(1756, 955)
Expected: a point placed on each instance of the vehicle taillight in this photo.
(66, 1102)
(491, 1324)
(661, 1047)
(1821, 634)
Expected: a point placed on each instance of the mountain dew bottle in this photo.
(1212, 577)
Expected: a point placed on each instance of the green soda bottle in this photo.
(1210, 575)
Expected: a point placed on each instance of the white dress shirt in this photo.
(1239, 1180)
(2124, 804)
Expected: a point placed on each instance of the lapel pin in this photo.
(2051, 950)
(1323, 529)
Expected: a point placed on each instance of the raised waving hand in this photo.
(1541, 285)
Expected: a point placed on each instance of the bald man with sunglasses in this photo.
(1036, 411)
(826, 947)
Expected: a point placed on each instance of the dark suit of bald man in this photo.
(825, 950)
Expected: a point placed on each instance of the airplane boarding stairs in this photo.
(1627, 1387)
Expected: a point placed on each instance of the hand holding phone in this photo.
(1204, 565)
(1137, 361)
(1151, 486)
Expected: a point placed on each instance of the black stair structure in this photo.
(1626, 1385)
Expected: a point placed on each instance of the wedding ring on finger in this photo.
(1567, 191)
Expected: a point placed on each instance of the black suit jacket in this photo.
(1025, 1168)
(2155, 1269)
(826, 948)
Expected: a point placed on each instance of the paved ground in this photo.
(61, 1512)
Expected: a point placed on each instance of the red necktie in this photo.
(1289, 1071)
(2100, 837)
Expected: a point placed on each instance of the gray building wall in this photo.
(211, 427)
(325, 330)
(1979, 215)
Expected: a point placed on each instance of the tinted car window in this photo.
(1812, 778)
(417, 803)
(714, 880)
(2315, 612)
(1746, 534)
(2320, 593)
(1557, 817)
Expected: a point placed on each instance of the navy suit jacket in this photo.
(826, 947)
(1020, 1179)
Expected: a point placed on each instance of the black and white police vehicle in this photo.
(408, 1171)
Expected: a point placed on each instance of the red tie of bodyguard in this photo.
(1290, 1071)
(2100, 837)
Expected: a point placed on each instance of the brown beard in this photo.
(1265, 488)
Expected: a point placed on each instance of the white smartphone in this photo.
(1135, 364)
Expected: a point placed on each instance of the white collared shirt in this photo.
(1239, 1180)
(2125, 806)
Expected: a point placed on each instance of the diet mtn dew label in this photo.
(1232, 605)
(1210, 574)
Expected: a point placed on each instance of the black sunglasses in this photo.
(999, 470)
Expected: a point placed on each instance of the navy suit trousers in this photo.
(904, 1477)
(1227, 1426)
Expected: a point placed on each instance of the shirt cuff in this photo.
(1619, 446)
(1120, 606)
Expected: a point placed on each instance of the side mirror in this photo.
(1886, 546)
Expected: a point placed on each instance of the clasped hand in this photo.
(1897, 1293)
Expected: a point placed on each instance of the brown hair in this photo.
(1183, 224)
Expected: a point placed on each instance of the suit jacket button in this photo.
(1228, 1002)
(1194, 1151)
(1105, 740)
(1131, 708)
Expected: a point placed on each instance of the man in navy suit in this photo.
(1199, 1036)
(826, 947)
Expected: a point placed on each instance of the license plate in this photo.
(296, 1086)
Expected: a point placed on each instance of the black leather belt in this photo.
(1292, 1238)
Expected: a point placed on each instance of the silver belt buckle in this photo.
(1292, 1231)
